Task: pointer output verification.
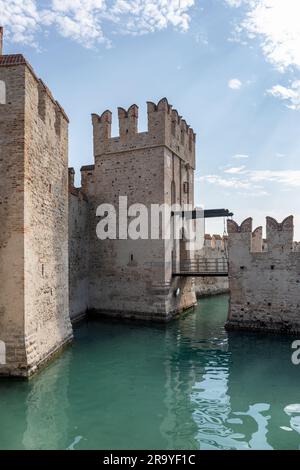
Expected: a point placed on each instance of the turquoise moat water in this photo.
(185, 385)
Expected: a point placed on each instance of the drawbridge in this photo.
(204, 267)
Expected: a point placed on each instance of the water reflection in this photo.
(262, 383)
(238, 385)
(47, 407)
(187, 385)
(34, 414)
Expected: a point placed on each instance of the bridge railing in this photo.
(204, 267)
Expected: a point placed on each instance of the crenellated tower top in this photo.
(165, 128)
(279, 236)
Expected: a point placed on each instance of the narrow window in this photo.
(173, 127)
(2, 92)
(182, 137)
(186, 187)
(2, 353)
(173, 193)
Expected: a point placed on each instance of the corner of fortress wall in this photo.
(264, 277)
(34, 305)
(133, 278)
(78, 250)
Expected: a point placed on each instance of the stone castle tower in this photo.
(132, 278)
(34, 304)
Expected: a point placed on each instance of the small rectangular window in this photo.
(186, 187)
(173, 127)
(2, 353)
(182, 137)
(2, 92)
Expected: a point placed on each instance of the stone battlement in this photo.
(280, 236)
(71, 183)
(9, 64)
(165, 128)
(264, 276)
(215, 242)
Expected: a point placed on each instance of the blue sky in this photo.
(230, 67)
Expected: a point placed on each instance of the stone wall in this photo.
(78, 251)
(264, 285)
(214, 250)
(34, 312)
(47, 325)
(12, 309)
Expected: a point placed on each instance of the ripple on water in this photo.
(185, 385)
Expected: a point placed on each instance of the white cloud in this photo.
(234, 84)
(224, 182)
(143, 16)
(281, 155)
(239, 156)
(252, 182)
(85, 20)
(22, 19)
(290, 95)
(79, 20)
(276, 24)
(290, 178)
(234, 3)
(235, 170)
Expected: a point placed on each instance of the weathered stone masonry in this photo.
(264, 284)
(78, 250)
(214, 250)
(34, 303)
(133, 278)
